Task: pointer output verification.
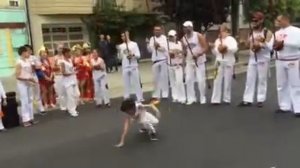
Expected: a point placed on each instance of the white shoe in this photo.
(203, 102)
(190, 102)
(63, 108)
(74, 115)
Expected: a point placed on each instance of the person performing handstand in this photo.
(138, 112)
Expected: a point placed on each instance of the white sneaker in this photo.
(190, 102)
(74, 115)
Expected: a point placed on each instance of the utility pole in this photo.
(234, 16)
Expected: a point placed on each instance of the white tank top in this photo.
(26, 68)
(97, 73)
(264, 54)
(178, 59)
(69, 69)
(196, 48)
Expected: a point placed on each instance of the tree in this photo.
(110, 18)
(202, 13)
(272, 8)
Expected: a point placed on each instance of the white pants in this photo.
(177, 85)
(288, 85)
(257, 71)
(224, 73)
(161, 81)
(1, 124)
(59, 90)
(71, 94)
(195, 74)
(26, 96)
(149, 121)
(131, 78)
(37, 96)
(101, 90)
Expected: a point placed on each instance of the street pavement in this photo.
(201, 136)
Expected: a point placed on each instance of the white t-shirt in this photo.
(176, 48)
(291, 37)
(232, 48)
(162, 52)
(123, 51)
(192, 43)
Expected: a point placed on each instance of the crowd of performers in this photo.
(78, 75)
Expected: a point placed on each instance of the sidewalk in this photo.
(115, 81)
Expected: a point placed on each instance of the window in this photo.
(69, 35)
(13, 3)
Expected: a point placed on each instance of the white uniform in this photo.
(100, 82)
(159, 67)
(257, 70)
(176, 72)
(36, 89)
(71, 89)
(145, 118)
(225, 63)
(26, 90)
(287, 69)
(2, 96)
(58, 85)
(195, 72)
(130, 70)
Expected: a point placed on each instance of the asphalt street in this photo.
(196, 136)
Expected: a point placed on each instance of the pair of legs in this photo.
(148, 124)
(71, 95)
(161, 81)
(59, 90)
(37, 97)
(256, 73)
(131, 78)
(224, 76)
(288, 85)
(1, 123)
(195, 74)
(101, 90)
(47, 92)
(177, 85)
(26, 96)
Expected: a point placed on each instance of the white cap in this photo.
(172, 33)
(188, 24)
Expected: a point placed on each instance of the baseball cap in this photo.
(172, 33)
(188, 24)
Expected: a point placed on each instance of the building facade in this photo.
(13, 33)
(58, 21)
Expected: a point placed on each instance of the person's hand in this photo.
(256, 46)
(119, 145)
(278, 45)
(222, 49)
(156, 45)
(172, 55)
